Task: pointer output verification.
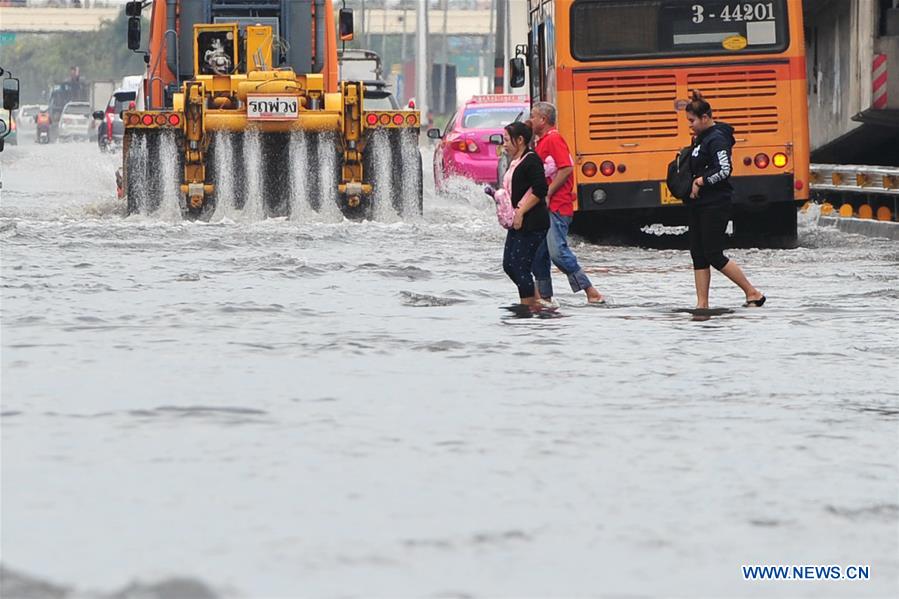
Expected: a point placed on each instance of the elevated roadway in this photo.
(63, 20)
(54, 20)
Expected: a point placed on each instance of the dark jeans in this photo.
(708, 226)
(518, 258)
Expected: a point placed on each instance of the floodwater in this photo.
(324, 408)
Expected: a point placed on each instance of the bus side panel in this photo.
(566, 123)
(799, 94)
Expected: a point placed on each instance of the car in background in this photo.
(25, 115)
(75, 122)
(376, 95)
(354, 64)
(365, 66)
(464, 147)
(9, 125)
(111, 130)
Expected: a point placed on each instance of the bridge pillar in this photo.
(852, 52)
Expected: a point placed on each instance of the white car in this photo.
(25, 116)
(75, 122)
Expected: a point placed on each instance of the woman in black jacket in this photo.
(531, 219)
(710, 207)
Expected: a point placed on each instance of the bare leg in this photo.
(733, 272)
(702, 278)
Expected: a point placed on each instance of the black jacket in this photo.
(712, 159)
(529, 174)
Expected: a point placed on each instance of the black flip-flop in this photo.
(757, 303)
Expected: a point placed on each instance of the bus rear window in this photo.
(491, 118)
(613, 29)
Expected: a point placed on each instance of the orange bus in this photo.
(619, 72)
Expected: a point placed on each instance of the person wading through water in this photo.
(710, 203)
(530, 220)
(552, 148)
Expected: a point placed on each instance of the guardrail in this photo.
(865, 192)
(855, 178)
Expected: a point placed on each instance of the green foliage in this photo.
(40, 60)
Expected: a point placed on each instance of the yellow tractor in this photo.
(241, 110)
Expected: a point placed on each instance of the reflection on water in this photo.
(347, 409)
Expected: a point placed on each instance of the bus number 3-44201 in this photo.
(760, 11)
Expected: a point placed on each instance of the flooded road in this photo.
(336, 409)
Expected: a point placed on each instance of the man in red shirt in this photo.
(552, 149)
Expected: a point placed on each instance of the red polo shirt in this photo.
(552, 144)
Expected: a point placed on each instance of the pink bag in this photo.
(505, 213)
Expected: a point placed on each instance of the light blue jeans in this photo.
(556, 250)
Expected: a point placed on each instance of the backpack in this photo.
(680, 179)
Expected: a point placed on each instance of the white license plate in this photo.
(272, 108)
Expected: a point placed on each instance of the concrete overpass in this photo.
(65, 20)
(54, 20)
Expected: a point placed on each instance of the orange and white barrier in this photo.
(880, 78)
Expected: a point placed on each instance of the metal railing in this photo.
(854, 178)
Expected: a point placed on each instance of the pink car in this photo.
(464, 147)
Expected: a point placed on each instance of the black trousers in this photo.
(708, 226)
(518, 258)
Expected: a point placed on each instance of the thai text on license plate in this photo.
(272, 108)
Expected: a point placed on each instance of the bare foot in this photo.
(594, 296)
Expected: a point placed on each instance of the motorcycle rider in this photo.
(43, 122)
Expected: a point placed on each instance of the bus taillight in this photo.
(779, 160)
(761, 160)
(589, 169)
(607, 168)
